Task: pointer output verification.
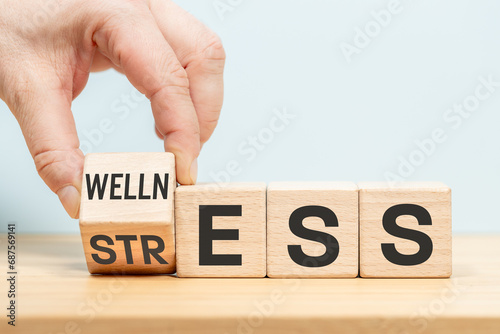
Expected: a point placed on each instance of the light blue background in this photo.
(353, 120)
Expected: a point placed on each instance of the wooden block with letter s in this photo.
(405, 229)
(312, 229)
(221, 230)
(127, 213)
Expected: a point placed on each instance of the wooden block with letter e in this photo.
(221, 230)
(127, 213)
(312, 229)
(405, 229)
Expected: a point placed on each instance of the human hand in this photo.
(164, 51)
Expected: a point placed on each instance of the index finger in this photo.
(134, 42)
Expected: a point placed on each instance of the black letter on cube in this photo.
(208, 234)
(423, 240)
(94, 245)
(330, 242)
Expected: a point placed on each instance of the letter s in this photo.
(94, 245)
(297, 228)
(423, 240)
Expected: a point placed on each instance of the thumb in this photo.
(42, 106)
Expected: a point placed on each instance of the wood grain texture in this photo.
(374, 200)
(283, 198)
(251, 226)
(134, 216)
(57, 295)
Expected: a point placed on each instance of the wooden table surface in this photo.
(57, 295)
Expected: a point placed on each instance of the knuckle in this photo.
(179, 75)
(210, 54)
(174, 87)
(177, 82)
(165, 75)
(109, 16)
(213, 49)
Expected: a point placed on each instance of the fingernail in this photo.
(70, 199)
(194, 171)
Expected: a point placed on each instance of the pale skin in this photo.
(49, 47)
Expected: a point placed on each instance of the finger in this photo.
(43, 109)
(133, 42)
(201, 53)
(102, 63)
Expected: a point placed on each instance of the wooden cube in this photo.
(127, 213)
(221, 230)
(405, 229)
(312, 229)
